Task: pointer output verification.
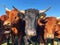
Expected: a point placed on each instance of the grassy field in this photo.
(22, 42)
(49, 42)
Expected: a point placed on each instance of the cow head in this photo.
(31, 16)
(30, 19)
(13, 16)
(50, 27)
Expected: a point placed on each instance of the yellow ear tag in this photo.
(58, 23)
(41, 16)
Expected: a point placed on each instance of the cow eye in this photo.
(15, 17)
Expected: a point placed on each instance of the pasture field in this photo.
(36, 42)
(22, 42)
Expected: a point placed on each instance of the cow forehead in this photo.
(13, 14)
(32, 11)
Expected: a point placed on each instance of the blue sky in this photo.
(38, 4)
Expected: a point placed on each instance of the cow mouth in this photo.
(7, 29)
(7, 26)
(51, 36)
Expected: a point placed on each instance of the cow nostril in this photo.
(8, 24)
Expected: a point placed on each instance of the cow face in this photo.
(50, 27)
(31, 18)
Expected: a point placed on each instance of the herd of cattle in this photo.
(28, 24)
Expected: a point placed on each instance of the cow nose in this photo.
(7, 23)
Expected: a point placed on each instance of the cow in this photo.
(16, 24)
(2, 30)
(49, 27)
(31, 16)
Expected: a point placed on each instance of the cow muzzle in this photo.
(51, 36)
(7, 23)
(7, 27)
(31, 32)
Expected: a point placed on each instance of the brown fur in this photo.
(50, 27)
(2, 36)
(57, 29)
(14, 21)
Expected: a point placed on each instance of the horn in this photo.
(43, 11)
(22, 11)
(19, 10)
(6, 8)
(14, 7)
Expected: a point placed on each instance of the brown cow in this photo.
(16, 23)
(49, 30)
(2, 30)
(49, 27)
